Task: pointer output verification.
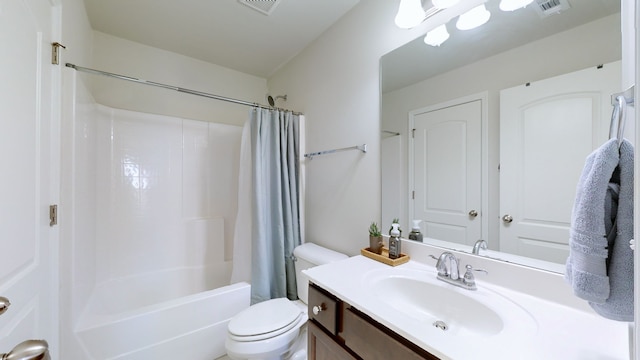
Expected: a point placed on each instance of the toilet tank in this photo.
(307, 256)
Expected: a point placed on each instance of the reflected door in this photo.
(27, 275)
(547, 129)
(447, 172)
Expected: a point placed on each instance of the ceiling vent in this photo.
(551, 7)
(265, 7)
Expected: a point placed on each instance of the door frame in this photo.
(483, 97)
(630, 14)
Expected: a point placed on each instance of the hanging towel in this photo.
(619, 304)
(586, 268)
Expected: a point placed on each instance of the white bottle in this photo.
(394, 242)
(415, 231)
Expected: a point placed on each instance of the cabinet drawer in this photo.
(370, 341)
(329, 305)
(323, 347)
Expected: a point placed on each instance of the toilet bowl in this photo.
(276, 328)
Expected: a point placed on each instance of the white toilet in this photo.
(276, 329)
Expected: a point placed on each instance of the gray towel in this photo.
(587, 263)
(600, 263)
(619, 304)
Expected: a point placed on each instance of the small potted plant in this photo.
(375, 239)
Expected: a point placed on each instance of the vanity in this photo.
(338, 330)
(362, 309)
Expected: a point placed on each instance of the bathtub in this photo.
(176, 314)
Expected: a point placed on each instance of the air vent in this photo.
(551, 7)
(265, 7)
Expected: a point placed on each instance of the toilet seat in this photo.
(265, 320)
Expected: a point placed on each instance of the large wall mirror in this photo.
(485, 136)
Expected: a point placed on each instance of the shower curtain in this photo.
(268, 222)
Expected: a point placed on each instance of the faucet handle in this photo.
(469, 279)
(440, 266)
(471, 268)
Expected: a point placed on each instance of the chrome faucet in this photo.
(480, 244)
(449, 272)
(447, 266)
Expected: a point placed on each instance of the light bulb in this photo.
(443, 4)
(437, 36)
(511, 5)
(410, 14)
(473, 18)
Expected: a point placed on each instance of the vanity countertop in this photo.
(560, 332)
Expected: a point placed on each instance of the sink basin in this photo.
(456, 311)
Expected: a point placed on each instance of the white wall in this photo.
(591, 44)
(125, 57)
(335, 82)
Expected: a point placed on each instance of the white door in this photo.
(27, 276)
(447, 177)
(547, 129)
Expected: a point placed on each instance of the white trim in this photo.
(630, 6)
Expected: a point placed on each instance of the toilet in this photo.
(276, 328)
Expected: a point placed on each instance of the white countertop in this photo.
(561, 332)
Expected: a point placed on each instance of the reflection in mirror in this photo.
(486, 135)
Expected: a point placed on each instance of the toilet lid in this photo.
(264, 319)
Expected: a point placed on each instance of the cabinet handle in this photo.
(318, 308)
(473, 213)
(507, 218)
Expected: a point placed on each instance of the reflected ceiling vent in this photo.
(265, 7)
(551, 7)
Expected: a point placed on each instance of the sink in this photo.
(423, 299)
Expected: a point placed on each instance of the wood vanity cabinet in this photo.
(339, 331)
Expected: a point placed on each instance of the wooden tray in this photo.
(384, 257)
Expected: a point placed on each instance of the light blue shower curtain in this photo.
(275, 196)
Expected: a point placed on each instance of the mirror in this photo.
(514, 49)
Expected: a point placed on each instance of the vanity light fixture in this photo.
(410, 14)
(473, 18)
(511, 5)
(443, 4)
(437, 36)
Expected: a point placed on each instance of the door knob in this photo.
(28, 350)
(4, 304)
(473, 213)
(507, 218)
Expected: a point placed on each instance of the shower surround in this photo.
(152, 203)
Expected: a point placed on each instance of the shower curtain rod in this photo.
(171, 87)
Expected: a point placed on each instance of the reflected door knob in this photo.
(28, 350)
(507, 218)
(4, 304)
(473, 213)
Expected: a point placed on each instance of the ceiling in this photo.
(223, 32)
(417, 61)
